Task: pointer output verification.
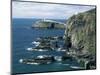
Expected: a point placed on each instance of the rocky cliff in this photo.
(81, 32)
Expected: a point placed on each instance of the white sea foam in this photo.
(36, 43)
(29, 49)
(21, 60)
(75, 67)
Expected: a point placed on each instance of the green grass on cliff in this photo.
(81, 28)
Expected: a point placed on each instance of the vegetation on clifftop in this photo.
(49, 24)
(81, 29)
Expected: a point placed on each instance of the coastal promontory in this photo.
(50, 24)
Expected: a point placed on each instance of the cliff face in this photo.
(81, 29)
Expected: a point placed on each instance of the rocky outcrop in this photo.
(81, 29)
(48, 24)
(80, 38)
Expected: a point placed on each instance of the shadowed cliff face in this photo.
(81, 29)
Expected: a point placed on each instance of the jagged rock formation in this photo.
(81, 29)
(80, 36)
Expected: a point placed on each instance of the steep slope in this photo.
(81, 29)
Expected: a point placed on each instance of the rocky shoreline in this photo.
(78, 41)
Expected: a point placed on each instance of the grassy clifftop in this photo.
(81, 29)
(48, 24)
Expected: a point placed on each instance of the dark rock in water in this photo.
(43, 47)
(62, 58)
(87, 61)
(43, 59)
(47, 43)
(90, 64)
(67, 57)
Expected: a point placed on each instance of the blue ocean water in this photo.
(22, 37)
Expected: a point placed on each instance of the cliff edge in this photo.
(81, 32)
